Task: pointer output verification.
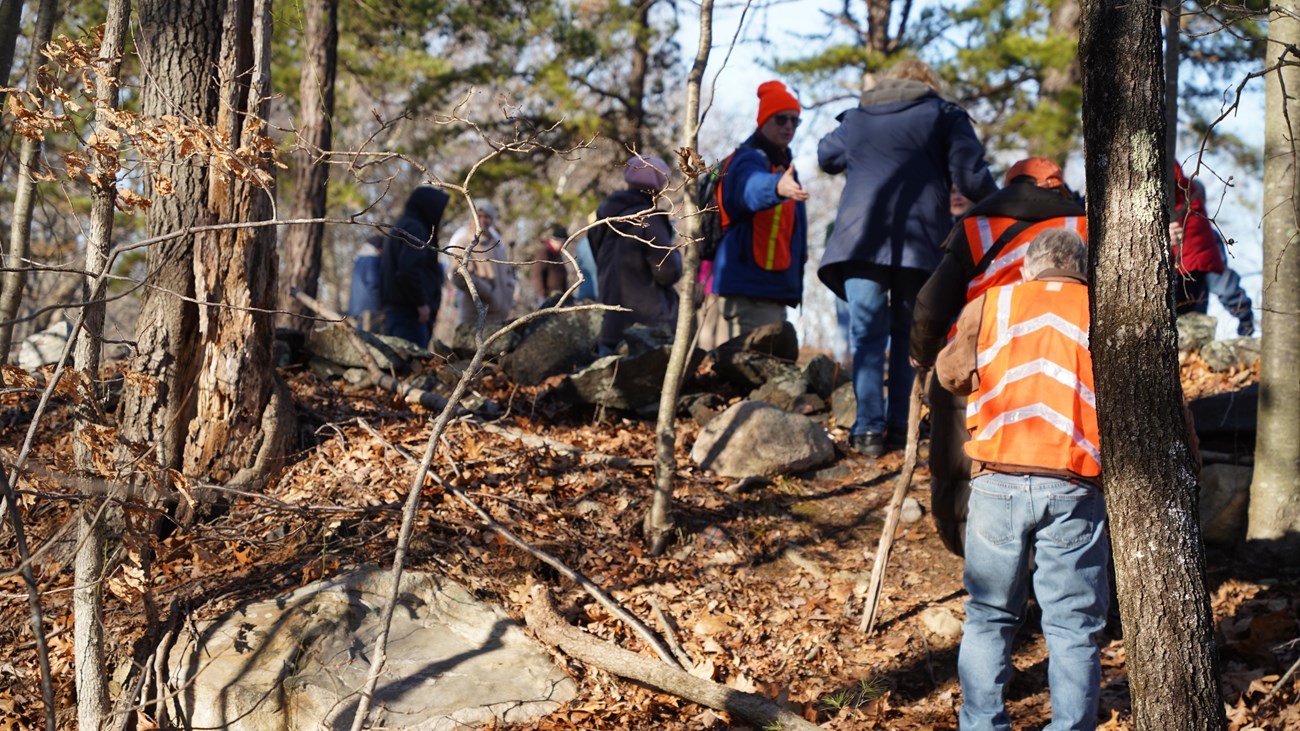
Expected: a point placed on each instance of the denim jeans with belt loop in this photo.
(1062, 522)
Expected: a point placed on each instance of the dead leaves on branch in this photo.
(65, 103)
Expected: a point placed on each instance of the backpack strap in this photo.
(1007, 237)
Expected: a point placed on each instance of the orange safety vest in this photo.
(773, 228)
(1035, 407)
(982, 232)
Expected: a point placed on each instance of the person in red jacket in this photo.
(1195, 249)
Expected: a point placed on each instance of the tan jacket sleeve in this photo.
(957, 363)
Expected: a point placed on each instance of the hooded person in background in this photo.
(1196, 249)
(758, 269)
(488, 267)
(902, 150)
(636, 266)
(410, 278)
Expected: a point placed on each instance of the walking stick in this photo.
(895, 504)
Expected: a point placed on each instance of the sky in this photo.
(786, 26)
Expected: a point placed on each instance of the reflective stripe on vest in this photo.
(982, 232)
(1035, 406)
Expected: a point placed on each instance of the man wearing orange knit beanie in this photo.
(758, 270)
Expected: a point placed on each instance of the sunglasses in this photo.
(783, 120)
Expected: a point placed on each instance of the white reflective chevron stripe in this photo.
(1062, 423)
(1072, 222)
(1002, 262)
(1048, 320)
(986, 235)
(1042, 366)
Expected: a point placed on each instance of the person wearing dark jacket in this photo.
(550, 269)
(758, 270)
(902, 149)
(985, 249)
(410, 281)
(636, 267)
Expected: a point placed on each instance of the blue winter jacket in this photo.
(903, 148)
(769, 266)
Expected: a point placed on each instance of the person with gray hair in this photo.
(1055, 248)
(1021, 355)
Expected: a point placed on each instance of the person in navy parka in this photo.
(902, 149)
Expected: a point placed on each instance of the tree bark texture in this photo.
(11, 14)
(93, 709)
(1173, 14)
(1274, 523)
(1148, 466)
(237, 432)
(177, 41)
(303, 243)
(658, 523)
(20, 224)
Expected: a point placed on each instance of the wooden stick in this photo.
(895, 505)
(754, 710)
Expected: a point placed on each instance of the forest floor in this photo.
(764, 586)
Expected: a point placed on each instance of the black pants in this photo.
(949, 465)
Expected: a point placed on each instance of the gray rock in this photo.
(844, 406)
(334, 344)
(778, 339)
(1195, 331)
(463, 343)
(783, 390)
(824, 375)
(754, 438)
(1227, 355)
(1225, 497)
(911, 511)
(552, 345)
(626, 382)
(702, 407)
(295, 662)
(750, 369)
(45, 347)
(941, 622)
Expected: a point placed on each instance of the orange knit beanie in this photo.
(773, 97)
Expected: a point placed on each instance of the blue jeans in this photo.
(404, 322)
(1062, 523)
(881, 300)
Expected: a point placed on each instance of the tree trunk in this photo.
(1274, 522)
(11, 15)
(238, 430)
(20, 224)
(657, 527)
(642, 34)
(303, 243)
(1150, 482)
(1056, 87)
(1173, 50)
(93, 711)
(176, 41)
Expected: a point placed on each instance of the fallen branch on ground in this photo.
(538, 442)
(754, 710)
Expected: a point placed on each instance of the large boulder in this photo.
(750, 369)
(45, 347)
(622, 382)
(778, 339)
(755, 438)
(1235, 354)
(554, 344)
(465, 340)
(1225, 496)
(297, 661)
(334, 344)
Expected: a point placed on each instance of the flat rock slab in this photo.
(297, 661)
